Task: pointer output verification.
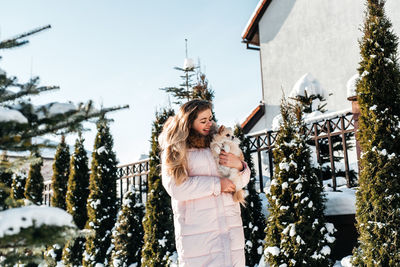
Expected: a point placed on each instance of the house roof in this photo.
(253, 118)
(250, 33)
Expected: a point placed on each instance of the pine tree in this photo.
(127, 235)
(18, 186)
(77, 194)
(22, 122)
(253, 219)
(201, 89)
(183, 91)
(60, 176)
(159, 240)
(296, 232)
(34, 183)
(102, 201)
(378, 92)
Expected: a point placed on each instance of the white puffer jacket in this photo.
(208, 225)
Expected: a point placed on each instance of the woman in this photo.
(208, 226)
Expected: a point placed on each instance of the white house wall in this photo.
(315, 36)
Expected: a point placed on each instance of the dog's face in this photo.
(225, 134)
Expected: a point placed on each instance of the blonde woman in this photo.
(208, 225)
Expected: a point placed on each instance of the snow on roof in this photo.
(11, 115)
(13, 220)
(307, 84)
(2, 72)
(351, 85)
(252, 18)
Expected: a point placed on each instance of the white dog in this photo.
(225, 140)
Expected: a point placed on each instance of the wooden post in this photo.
(345, 156)
(317, 150)
(328, 124)
(355, 109)
(259, 164)
(271, 165)
(120, 185)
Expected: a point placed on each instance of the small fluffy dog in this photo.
(225, 140)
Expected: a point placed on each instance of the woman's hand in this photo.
(230, 160)
(227, 186)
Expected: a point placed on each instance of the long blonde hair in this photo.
(173, 138)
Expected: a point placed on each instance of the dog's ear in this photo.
(221, 129)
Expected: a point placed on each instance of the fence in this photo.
(135, 174)
(341, 125)
(47, 192)
(317, 130)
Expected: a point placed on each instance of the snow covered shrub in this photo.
(253, 219)
(102, 202)
(127, 235)
(297, 234)
(159, 239)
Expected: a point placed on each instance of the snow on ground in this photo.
(345, 262)
(12, 220)
(339, 202)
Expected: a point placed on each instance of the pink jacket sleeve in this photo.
(245, 174)
(194, 186)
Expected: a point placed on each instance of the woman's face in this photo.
(203, 122)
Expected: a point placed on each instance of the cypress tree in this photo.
(5, 180)
(5, 172)
(102, 201)
(59, 179)
(77, 194)
(296, 233)
(378, 92)
(253, 219)
(159, 240)
(127, 235)
(34, 183)
(18, 186)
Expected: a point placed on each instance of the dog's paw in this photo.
(227, 148)
(217, 150)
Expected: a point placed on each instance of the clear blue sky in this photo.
(122, 52)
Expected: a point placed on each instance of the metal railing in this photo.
(134, 174)
(326, 129)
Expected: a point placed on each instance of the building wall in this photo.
(312, 36)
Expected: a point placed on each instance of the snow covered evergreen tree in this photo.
(34, 183)
(21, 122)
(378, 94)
(59, 180)
(18, 186)
(296, 233)
(253, 219)
(77, 195)
(102, 202)
(127, 235)
(5, 180)
(159, 239)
